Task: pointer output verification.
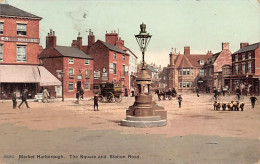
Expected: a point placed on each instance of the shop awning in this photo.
(27, 74)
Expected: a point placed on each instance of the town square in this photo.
(129, 82)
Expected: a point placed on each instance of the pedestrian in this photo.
(81, 91)
(179, 100)
(24, 99)
(14, 100)
(215, 91)
(77, 97)
(197, 91)
(126, 93)
(253, 100)
(95, 102)
(238, 93)
(45, 96)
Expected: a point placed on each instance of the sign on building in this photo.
(96, 74)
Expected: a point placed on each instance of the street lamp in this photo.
(143, 39)
(61, 74)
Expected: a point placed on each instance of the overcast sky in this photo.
(201, 24)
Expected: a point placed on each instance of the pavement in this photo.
(64, 132)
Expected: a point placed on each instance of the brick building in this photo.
(19, 49)
(76, 65)
(111, 62)
(246, 68)
(184, 71)
(213, 69)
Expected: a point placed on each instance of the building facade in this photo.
(76, 65)
(132, 72)
(246, 68)
(213, 69)
(184, 71)
(19, 49)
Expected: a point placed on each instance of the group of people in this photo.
(23, 97)
(79, 95)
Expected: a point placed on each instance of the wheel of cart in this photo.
(118, 98)
(110, 97)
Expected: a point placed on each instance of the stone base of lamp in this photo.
(145, 113)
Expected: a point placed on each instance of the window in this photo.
(1, 28)
(180, 71)
(71, 71)
(21, 29)
(184, 72)
(249, 55)
(21, 55)
(71, 86)
(180, 84)
(86, 86)
(114, 56)
(184, 84)
(86, 62)
(124, 72)
(114, 68)
(191, 84)
(71, 60)
(188, 84)
(123, 57)
(236, 67)
(243, 56)
(236, 58)
(243, 68)
(87, 74)
(201, 62)
(202, 72)
(249, 67)
(1, 52)
(191, 71)
(188, 71)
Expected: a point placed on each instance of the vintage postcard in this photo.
(129, 82)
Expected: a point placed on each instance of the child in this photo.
(179, 100)
(253, 100)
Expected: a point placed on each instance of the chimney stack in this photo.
(187, 50)
(91, 38)
(243, 44)
(51, 39)
(225, 46)
(120, 43)
(111, 38)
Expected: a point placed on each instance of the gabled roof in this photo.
(189, 60)
(185, 62)
(112, 47)
(72, 52)
(11, 11)
(212, 59)
(248, 48)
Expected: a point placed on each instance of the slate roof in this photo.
(248, 48)
(212, 59)
(190, 60)
(11, 11)
(72, 52)
(113, 48)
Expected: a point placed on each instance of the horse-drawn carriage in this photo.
(171, 93)
(110, 91)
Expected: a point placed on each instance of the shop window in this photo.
(71, 61)
(184, 84)
(71, 86)
(1, 28)
(21, 55)
(21, 29)
(86, 85)
(249, 67)
(188, 84)
(1, 52)
(114, 68)
(86, 62)
(114, 56)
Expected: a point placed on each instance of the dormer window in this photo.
(201, 62)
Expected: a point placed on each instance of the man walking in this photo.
(45, 96)
(197, 91)
(24, 99)
(179, 100)
(77, 97)
(253, 100)
(95, 102)
(14, 100)
(238, 93)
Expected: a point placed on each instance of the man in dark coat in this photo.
(14, 100)
(81, 91)
(95, 102)
(238, 93)
(24, 99)
(179, 100)
(253, 100)
(197, 91)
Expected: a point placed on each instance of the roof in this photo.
(152, 68)
(190, 60)
(131, 52)
(72, 52)
(113, 48)
(27, 74)
(11, 11)
(248, 48)
(212, 59)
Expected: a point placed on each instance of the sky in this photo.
(201, 24)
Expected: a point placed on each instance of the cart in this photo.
(110, 92)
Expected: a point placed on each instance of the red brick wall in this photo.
(10, 25)
(223, 59)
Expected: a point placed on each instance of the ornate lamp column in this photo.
(144, 112)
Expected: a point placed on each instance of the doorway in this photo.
(78, 85)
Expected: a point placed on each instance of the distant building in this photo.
(154, 71)
(163, 78)
(246, 68)
(184, 71)
(19, 49)
(213, 69)
(76, 65)
(132, 69)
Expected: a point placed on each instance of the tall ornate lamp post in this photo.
(61, 74)
(144, 112)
